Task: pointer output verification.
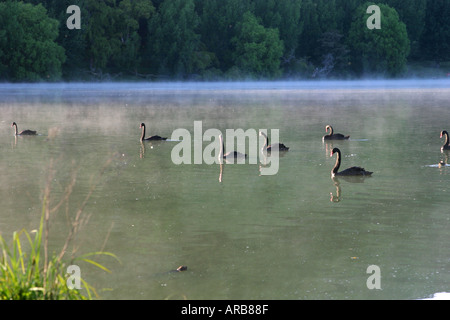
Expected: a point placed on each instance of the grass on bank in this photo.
(26, 270)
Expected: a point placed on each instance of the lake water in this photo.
(294, 235)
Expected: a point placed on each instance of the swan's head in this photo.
(262, 134)
(182, 268)
(327, 127)
(142, 125)
(335, 150)
(443, 132)
(13, 124)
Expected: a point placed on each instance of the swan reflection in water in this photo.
(442, 164)
(151, 144)
(337, 184)
(221, 172)
(445, 150)
(231, 157)
(352, 175)
(337, 197)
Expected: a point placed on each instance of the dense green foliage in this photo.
(258, 50)
(379, 50)
(214, 39)
(27, 43)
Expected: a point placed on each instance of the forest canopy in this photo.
(222, 39)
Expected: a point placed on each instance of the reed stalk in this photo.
(33, 274)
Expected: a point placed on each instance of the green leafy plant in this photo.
(26, 271)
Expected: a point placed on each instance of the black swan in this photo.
(231, 154)
(24, 132)
(272, 147)
(179, 269)
(353, 171)
(334, 136)
(446, 145)
(152, 138)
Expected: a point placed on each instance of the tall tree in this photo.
(101, 43)
(112, 39)
(28, 51)
(174, 42)
(345, 12)
(381, 51)
(258, 49)
(130, 15)
(284, 16)
(412, 14)
(72, 40)
(219, 19)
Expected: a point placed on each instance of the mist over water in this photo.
(295, 235)
(158, 87)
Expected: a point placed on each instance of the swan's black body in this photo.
(334, 136)
(353, 171)
(24, 132)
(152, 138)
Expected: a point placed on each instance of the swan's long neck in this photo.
(445, 134)
(17, 131)
(222, 149)
(338, 162)
(143, 133)
(266, 140)
(331, 130)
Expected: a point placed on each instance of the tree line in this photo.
(219, 39)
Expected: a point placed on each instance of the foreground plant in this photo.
(26, 271)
